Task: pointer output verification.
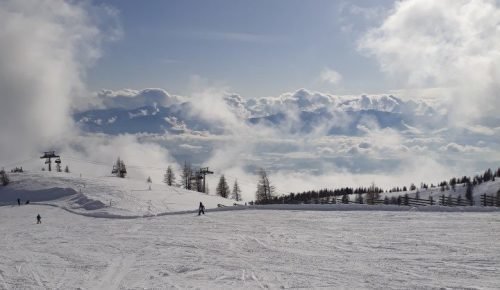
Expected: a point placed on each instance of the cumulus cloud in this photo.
(45, 49)
(132, 99)
(330, 76)
(457, 148)
(451, 44)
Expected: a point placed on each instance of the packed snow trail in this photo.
(250, 249)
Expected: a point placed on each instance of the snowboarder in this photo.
(201, 209)
(19, 202)
(38, 219)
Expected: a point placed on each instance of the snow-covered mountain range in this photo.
(299, 112)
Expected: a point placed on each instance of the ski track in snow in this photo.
(256, 249)
(116, 271)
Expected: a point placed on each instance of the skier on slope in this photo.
(38, 219)
(201, 209)
(19, 201)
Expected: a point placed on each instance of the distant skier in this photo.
(38, 219)
(27, 202)
(19, 202)
(201, 209)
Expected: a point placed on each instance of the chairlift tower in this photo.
(48, 155)
(203, 172)
(201, 175)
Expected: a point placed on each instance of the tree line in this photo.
(368, 193)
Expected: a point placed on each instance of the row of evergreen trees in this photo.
(488, 175)
(265, 193)
(373, 192)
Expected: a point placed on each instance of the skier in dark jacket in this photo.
(38, 219)
(19, 202)
(201, 209)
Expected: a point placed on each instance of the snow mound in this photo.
(81, 201)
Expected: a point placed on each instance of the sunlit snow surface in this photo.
(249, 249)
(152, 245)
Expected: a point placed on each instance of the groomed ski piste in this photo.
(112, 233)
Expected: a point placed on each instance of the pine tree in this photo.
(119, 169)
(469, 191)
(487, 175)
(222, 187)
(372, 193)
(4, 177)
(186, 174)
(359, 198)
(236, 194)
(169, 177)
(149, 180)
(264, 188)
(66, 169)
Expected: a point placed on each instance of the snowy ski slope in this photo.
(146, 239)
(250, 250)
(104, 196)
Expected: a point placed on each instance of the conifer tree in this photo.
(222, 188)
(469, 191)
(236, 194)
(4, 177)
(372, 193)
(186, 174)
(119, 169)
(264, 188)
(66, 169)
(169, 177)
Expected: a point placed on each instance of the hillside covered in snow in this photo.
(103, 196)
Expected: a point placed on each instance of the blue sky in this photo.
(256, 48)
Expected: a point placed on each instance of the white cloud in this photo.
(457, 148)
(45, 49)
(452, 44)
(132, 99)
(95, 154)
(330, 76)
